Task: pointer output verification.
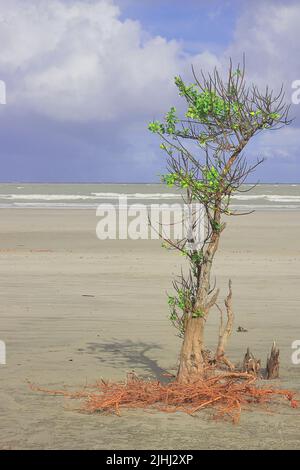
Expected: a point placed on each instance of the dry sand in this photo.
(57, 336)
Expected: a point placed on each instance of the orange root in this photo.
(227, 394)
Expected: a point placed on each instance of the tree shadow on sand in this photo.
(129, 354)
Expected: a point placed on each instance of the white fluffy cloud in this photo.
(79, 61)
(283, 144)
(268, 33)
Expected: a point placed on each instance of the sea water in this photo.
(81, 196)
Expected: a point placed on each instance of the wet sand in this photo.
(74, 309)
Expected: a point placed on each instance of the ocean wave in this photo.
(46, 197)
(137, 195)
(86, 197)
(92, 199)
(264, 206)
(94, 206)
(267, 197)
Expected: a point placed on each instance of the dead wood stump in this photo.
(272, 367)
(251, 365)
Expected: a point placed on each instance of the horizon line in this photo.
(127, 182)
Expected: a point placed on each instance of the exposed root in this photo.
(224, 360)
(225, 331)
(226, 393)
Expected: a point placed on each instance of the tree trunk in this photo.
(191, 363)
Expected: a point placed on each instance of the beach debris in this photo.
(251, 365)
(225, 394)
(240, 329)
(272, 367)
(87, 295)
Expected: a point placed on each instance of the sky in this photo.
(84, 78)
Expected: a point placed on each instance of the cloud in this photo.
(268, 33)
(78, 61)
(279, 144)
(95, 79)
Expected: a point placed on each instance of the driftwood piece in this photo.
(272, 367)
(251, 365)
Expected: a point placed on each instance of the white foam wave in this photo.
(137, 195)
(62, 205)
(253, 201)
(267, 197)
(264, 206)
(87, 197)
(46, 197)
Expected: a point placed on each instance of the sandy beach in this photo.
(75, 309)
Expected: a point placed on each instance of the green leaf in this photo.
(156, 127)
